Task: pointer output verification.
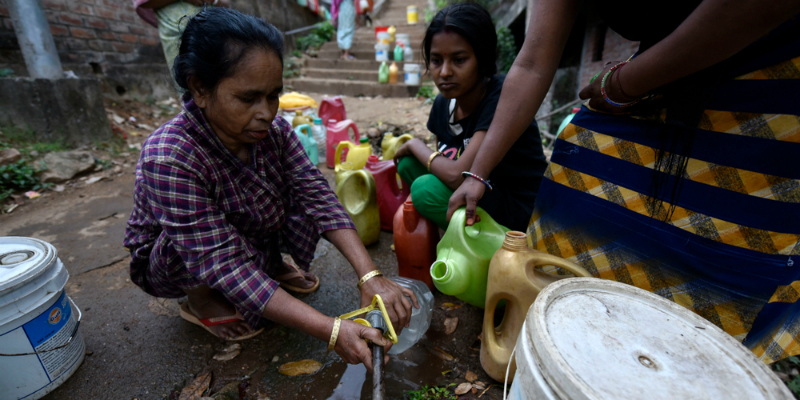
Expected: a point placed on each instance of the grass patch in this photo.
(25, 141)
(431, 393)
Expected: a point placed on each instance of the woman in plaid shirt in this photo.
(223, 187)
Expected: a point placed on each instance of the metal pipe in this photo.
(35, 39)
(378, 391)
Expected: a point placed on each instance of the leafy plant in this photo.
(26, 142)
(292, 67)
(506, 49)
(426, 91)
(431, 393)
(17, 176)
(318, 36)
(6, 73)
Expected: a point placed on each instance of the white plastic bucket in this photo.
(381, 52)
(403, 38)
(384, 37)
(591, 339)
(412, 74)
(40, 345)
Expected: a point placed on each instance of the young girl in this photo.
(460, 51)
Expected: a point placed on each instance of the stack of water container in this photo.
(403, 52)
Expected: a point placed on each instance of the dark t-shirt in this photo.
(516, 178)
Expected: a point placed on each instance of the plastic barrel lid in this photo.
(23, 259)
(599, 339)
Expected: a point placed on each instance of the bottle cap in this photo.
(364, 139)
(318, 121)
(373, 158)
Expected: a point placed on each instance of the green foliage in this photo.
(292, 67)
(433, 393)
(506, 49)
(17, 176)
(6, 72)
(25, 141)
(426, 91)
(318, 36)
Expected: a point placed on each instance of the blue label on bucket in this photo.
(49, 322)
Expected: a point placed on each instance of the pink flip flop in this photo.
(187, 314)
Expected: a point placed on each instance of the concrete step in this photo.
(368, 46)
(351, 88)
(346, 74)
(336, 63)
(416, 31)
(358, 54)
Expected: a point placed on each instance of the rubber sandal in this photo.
(295, 274)
(187, 314)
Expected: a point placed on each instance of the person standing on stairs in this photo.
(343, 14)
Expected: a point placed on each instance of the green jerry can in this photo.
(462, 261)
(358, 195)
(303, 132)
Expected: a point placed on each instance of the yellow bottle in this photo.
(515, 277)
(345, 168)
(391, 31)
(358, 195)
(300, 119)
(356, 154)
(391, 144)
(393, 72)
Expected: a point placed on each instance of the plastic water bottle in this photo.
(320, 133)
(420, 317)
(408, 54)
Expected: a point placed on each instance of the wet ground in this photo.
(139, 348)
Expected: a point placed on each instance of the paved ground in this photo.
(139, 348)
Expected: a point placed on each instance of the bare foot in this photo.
(210, 303)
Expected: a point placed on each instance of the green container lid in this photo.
(364, 139)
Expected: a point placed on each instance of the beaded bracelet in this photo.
(603, 88)
(619, 85)
(368, 276)
(484, 181)
(337, 323)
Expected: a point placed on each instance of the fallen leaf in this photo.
(228, 353)
(303, 367)
(195, 389)
(474, 391)
(94, 179)
(32, 194)
(275, 359)
(471, 376)
(463, 388)
(480, 383)
(57, 188)
(441, 354)
(450, 306)
(450, 325)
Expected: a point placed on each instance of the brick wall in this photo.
(106, 38)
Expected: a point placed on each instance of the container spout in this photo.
(447, 278)
(515, 241)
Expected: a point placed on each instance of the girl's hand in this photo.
(467, 194)
(351, 346)
(595, 96)
(405, 150)
(394, 298)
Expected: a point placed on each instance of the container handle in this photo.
(545, 259)
(72, 336)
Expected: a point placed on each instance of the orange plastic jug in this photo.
(332, 108)
(391, 144)
(338, 132)
(392, 191)
(356, 154)
(515, 277)
(415, 239)
(463, 255)
(356, 192)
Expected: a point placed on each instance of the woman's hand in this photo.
(394, 298)
(595, 96)
(406, 150)
(351, 346)
(467, 194)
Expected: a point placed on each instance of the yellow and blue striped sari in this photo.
(727, 244)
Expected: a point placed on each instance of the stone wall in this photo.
(107, 39)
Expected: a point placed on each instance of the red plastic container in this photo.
(415, 239)
(390, 195)
(337, 132)
(331, 108)
(379, 29)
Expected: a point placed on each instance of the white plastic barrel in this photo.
(587, 338)
(40, 345)
(381, 52)
(404, 38)
(412, 74)
(384, 38)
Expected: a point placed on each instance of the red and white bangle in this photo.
(483, 181)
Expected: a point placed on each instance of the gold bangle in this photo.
(430, 159)
(368, 276)
(337, 322)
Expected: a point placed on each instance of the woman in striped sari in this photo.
(679, 175)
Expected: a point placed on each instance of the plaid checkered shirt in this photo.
(201, 216)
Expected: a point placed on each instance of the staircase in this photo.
(329, 74)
